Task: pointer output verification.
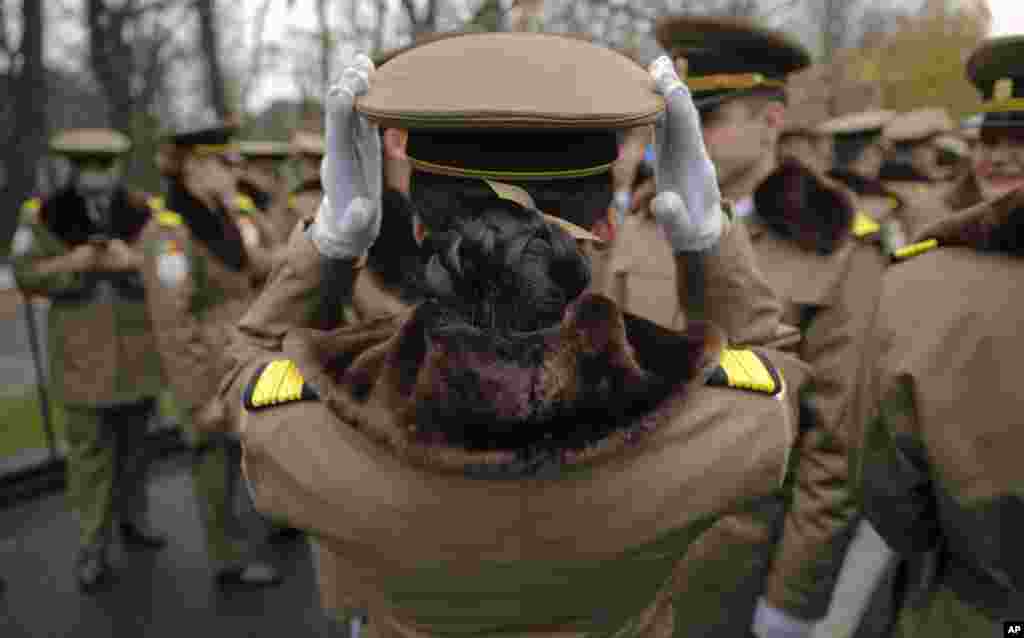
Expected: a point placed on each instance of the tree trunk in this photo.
(324, 31)
(28, 140)
(209, 44)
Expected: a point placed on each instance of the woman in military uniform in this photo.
(434, 466)
(200, 276)
(942, 473)
(80, 249)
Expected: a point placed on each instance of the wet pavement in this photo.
(169, 593)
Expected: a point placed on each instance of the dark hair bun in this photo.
(505, 269)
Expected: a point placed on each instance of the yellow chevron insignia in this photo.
(913, 250)
(746, 370)
(245, 203)
(276, 383)
(864, 225)
(169, 218)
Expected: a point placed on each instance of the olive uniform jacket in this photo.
(199, 282)
(943, 480)
(101, 348)
(432, 538)
(828, 281)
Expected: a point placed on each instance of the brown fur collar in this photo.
(993, 226)
(800, 204)
(457, 400)
(65, 215)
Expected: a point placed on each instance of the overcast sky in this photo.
(1008, 18)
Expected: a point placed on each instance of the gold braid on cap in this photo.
(731, 82)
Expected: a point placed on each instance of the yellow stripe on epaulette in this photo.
(31, 206)
(156, 204)
(864, 225)
(276, 383)
(913, 250)
(746, 370)
(245, 203)
(293, 201)
(169, 218)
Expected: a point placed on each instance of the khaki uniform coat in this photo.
(298, 296)
(101, 347)
(832, 298)
(943, 481)
(924, 203)
(194, 302)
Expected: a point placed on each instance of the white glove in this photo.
(687, 205)
(771, 622)
(349, 218)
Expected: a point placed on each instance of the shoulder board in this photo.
(864, 225)
(746, 370)
(169, 218)
(913, 250)
(156, 204)
(31, 207)
(276, 383)
(245, 203)
(293, 201)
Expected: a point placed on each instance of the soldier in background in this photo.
(80, 249)
(912, 170)
(942, 473)
(200, 277)
(779, 567)
(808, 144)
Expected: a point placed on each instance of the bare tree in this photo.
(424, 21)
(209, 44)
(27, 75)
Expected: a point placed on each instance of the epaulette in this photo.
(31, 207)
(746, 370)
(864, 225)
(169, 218)
(293, 201)
(156, 204)
(245, 203)
(913, 250)
(276, 383)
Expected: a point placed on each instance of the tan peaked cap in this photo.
(90, 141)
(305, 143)
(919, 125)
(853, 123)
(953, 144)
(527, 81)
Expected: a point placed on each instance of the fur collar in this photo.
(993, 226)
(213, 228)
(798, 204)
(65, 216)
(457, 400)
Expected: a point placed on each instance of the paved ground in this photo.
(164, 594)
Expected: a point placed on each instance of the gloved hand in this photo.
(349, 218)
(688, 205)
(770, 622)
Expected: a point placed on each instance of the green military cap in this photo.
(919, 125)
(264, 150)
(215, 138)
(996, 69)
(87, 143)
(305, 143)
(729, 57)
(512, 106)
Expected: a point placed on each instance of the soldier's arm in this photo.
(42, 263)
(819, 523)
(724, 285)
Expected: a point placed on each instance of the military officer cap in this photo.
(425, 38)
(512, 106)
(953, 145)
(996, 69)
(854, 132)
(207, 136)
(305, 143)
(920, 125)
(82, 145)
(264, 150)
(730, 57)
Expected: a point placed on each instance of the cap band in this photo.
(214, 149)
(453, 171)
(1009, 105)
(731, 81)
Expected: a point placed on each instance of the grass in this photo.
(21, 421)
